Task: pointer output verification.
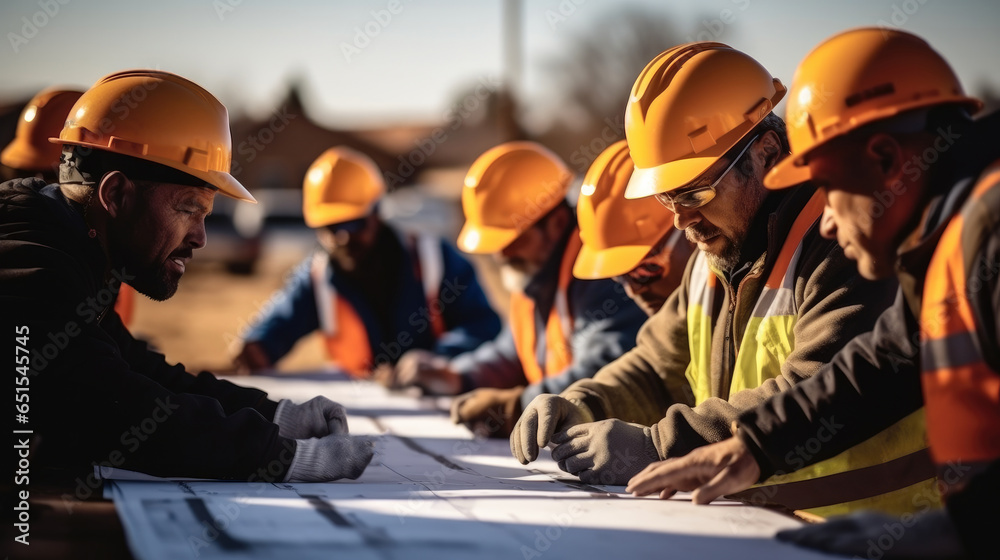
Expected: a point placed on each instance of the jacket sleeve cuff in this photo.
(267, 408)
(748, 439)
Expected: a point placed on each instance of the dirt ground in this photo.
(201, 325)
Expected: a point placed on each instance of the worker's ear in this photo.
(116, 193)
(767, 150)
(887, 154)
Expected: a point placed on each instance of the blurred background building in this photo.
(421, 86)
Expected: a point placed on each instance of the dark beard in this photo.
(157, 282)
(752, 195)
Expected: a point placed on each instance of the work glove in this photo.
(544, 416)
(424, 369)
(488, 412)
(330, 458)
(606, 452)
(316, 417)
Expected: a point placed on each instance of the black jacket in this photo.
(96, 394)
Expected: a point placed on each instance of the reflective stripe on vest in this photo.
(430, 261)
(558, 327)
(344, 332)
(889, 472)
(125, 303)
(961, 390)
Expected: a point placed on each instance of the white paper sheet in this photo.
(432, 492)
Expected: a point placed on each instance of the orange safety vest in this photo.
(961, 390)
(125, 304)
(344, 332)
(558, 328)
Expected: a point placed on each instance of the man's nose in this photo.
(684, 218)
(198, 236)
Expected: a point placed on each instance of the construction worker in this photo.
(144, 154)
(764, 305)
(632, 241)
(880, 122)
(374, 292)
(561, 329)
(30, 154)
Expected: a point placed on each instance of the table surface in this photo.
(432, 491)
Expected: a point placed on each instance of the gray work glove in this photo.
(330, 458)
(544, 416)
(316, 417)
(606, 452)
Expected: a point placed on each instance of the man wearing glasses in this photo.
(764, 304)
(373, 292)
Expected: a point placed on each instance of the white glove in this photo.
(545, 415)
(316, 417)
(330, 458)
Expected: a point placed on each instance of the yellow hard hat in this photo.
(617, 233)
(159, 117)
(42, 118)
(507, 190)
(688, 107)
(341, 185)
(857, 77)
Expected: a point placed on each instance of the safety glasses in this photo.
(699, 196)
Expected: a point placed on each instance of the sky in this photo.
(377, 62)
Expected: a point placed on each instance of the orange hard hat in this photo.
(688, 107)
(857, 77)
(43, 117)
(507, 190)
(340, 186)
(617, 233)
(159, 117)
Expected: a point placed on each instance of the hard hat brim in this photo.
(787, 173)
(666, 177)
(226, 183)
(334, 213)
(484, 240)
(16, 155)
(597, 264)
